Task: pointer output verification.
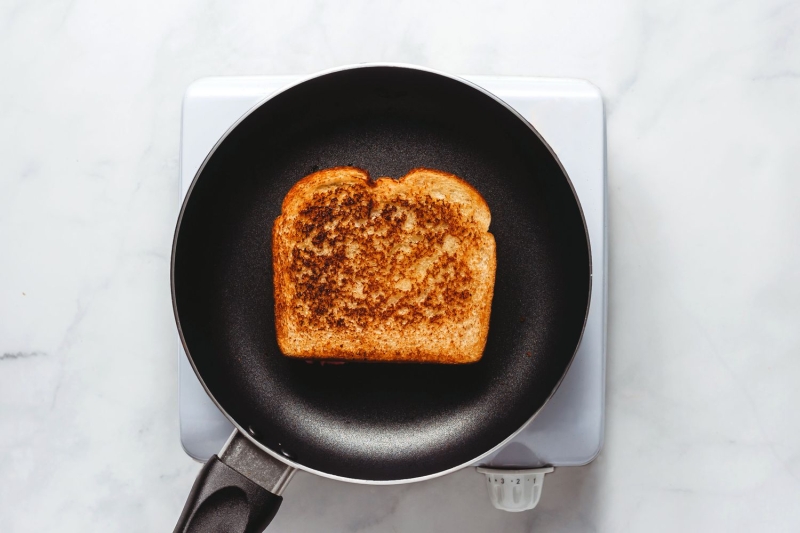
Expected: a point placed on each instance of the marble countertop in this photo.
(702, 105)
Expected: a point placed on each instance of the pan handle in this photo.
(238, 492)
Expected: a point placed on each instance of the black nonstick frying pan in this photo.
(370, 423)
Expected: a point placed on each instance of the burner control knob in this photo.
(515, 490)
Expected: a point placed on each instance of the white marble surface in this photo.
(703, 101)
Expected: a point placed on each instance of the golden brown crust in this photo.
(386, 270)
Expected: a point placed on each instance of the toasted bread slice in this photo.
(384, 270)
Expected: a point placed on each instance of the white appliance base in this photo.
(569, 115)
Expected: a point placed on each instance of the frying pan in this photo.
(369, 423)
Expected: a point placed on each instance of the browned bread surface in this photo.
(384, 270)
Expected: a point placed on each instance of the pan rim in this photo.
(199, 172)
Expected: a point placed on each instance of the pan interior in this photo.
(380, 421)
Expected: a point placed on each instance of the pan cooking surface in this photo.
(381, 421)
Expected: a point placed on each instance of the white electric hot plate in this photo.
(569, 429)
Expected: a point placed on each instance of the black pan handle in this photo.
(238, 493)
(222, 499)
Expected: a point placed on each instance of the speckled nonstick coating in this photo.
(381, 421)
